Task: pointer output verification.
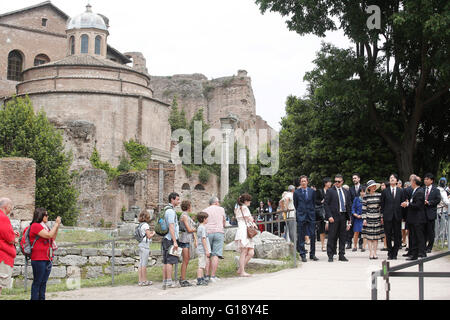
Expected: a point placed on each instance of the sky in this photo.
(212, 37)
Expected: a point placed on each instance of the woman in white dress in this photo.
(244, 244)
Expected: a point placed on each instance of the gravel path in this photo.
(311, 280)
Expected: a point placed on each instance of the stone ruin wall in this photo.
(218, 97)
(18, 183)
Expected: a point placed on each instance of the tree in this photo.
(402, 70)
(25, 134)
(177, 119)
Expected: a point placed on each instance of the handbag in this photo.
(252, 231)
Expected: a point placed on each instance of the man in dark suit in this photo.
(416, 220)
(338, 211)
(391, 209)
(432, 199)
(355, 191)
(304, 203)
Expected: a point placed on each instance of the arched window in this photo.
(41, 59)
(98, 45)
(84, 43)
(186, 186)
(199, 187)
(72, 45)
(15, 66)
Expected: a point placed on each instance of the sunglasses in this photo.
(338, 181)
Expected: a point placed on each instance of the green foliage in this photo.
(105, 166)
(140, 155)
(177, 119)
(399, 74)
(26, 134)
(124, 165)
(204, 175)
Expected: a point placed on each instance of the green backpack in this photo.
(161, 225)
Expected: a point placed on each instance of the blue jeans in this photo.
(41, 272)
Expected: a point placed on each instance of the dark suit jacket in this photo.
(391, 208)
(332, 209)
(305, 208)
(434, 199)
(416, 208)
(353, 193)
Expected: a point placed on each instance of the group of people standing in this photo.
(40, 236)
(363, 214)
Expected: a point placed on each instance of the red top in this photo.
(7, 237)
(41, 249)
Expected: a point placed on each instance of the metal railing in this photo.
(279, 221)
(387, 272)
(93, 243)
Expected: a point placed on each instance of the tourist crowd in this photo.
(353, 217)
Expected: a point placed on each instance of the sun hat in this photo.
(372, 183)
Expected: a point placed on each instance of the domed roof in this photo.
(87, 19)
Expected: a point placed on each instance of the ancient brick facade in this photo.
(18, 183)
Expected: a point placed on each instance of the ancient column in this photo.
(242, 165)
(228, 125)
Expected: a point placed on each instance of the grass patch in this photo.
(227, 269)
(75, 236)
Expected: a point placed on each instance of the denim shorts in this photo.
(216, 241)
(183, 245)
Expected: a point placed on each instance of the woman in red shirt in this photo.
(42, 253)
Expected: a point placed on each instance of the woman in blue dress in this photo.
(357, 220)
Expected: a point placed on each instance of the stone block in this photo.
(261, 262)
(120, 269)
(89, 252)
(93, 272)
(60, 252)
(58, 272)
(230, 234)
(72, 260)
(129, 252)
(98, 260)
(73, 272)
(17, 271)
(73, 251)
(108, 252)
(20, 261)
(123, 261)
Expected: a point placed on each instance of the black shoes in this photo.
(411, 258)
(304, 259)
(344, 259)
(314, 258)
(349, 246)
(429, 250)
(330, 259)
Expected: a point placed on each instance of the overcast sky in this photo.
(213, 37)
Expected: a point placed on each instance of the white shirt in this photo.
(289, 200)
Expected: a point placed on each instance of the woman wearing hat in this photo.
(372, 218)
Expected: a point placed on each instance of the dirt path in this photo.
(312, 280)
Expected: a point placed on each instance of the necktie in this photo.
(393, 193)
(341, 198)
(306, 194)
(428, 193)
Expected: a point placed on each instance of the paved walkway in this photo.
(312, 280)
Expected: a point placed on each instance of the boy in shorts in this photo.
(203, 250)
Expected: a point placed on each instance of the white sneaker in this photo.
(214, 279)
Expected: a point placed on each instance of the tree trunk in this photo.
(405, 157)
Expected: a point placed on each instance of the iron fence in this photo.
(387, 272)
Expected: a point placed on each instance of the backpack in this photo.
(161, 226)
(137, 233)
(25, 245)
